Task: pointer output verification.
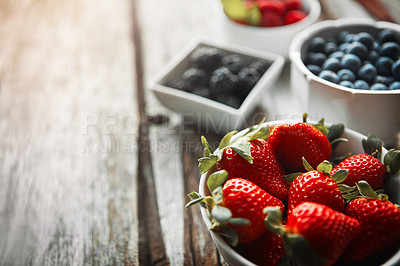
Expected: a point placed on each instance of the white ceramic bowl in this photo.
(271, 39)
(365, 111)
(353, 145)
(211, 115)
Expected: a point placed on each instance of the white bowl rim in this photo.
(312, 16)
(277, 62)
(298, 41)
(392, 261)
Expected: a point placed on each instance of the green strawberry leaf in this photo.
(306, 165)
(372, 146)
(230, 235)
(217, 179)
(193, 202)
(392, 161)
(350, 196)
(217, 195)
(321, 127)
(221, 214)
(243, 149)
(302, 251)
(239, 221)
(226, 140)
(325, 167)
(340, 175)
(194, 195)
(206, 163)
(207, 148)
(273, 220)
(290, 177)
(344, 189)
(335, 132)
(261, 133)
(366, 190)
(337, 159)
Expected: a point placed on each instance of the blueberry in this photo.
(351, 62)
(366, 39)
(367, 72)
(317, 44)
(349, 38)
(330, 47)
(207, 58)
(378, 87)
(361, 85)
(316, 59)
(385, 80)
(396, 69)
(373, 56)
(343, 47)
(395, 86)
(384, 66)
(358, 49)
(329, 76)
(222, 81)
(314, 69)
(247, 78)
(390, 49)
(195, 77)
(337, 54)
(388, 35)
(342, 35)
(347, 84)
(346, 74)
(233, 62)
(260, 65)
(333, 64)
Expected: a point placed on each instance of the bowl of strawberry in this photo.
(268, 25)
(348, 70)
(300, 193)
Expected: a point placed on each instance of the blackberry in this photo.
(195, 77)
(233, 62)
(206, 58)
(229, 100)
(202, 91)
(222, 81)
(260, 65)
(247, 79)
(177, 84)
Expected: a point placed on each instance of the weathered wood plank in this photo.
(68, 162)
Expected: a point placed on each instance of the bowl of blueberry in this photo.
(215, 85)
(268, 25)
(348, 70)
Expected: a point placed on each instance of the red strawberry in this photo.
(265, 171)
(315, 234)
(293, 4)
(363, 167)
(271, 6)
(380, 226)
(293, 141)
(250, 157)
(293, 16)
(247, 200)
(319, 187)
(266, 250)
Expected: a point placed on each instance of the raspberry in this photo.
(293, 4)
(271, 19)
(275, 6)
(293, 16)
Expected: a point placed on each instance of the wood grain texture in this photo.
(68, 132)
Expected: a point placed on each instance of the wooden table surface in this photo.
(93, 170)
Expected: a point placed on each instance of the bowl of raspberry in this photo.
(295, 193)
(217, 86)
(267, 25)
(348, 70)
